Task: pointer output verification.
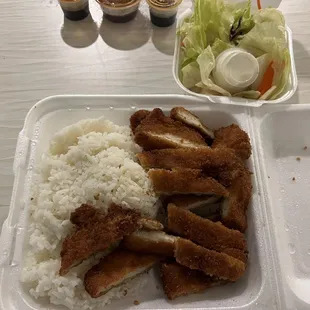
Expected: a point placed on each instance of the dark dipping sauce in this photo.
(119, 11)
(76, 15)
(121, 19)
(162, 21)
(163, 12)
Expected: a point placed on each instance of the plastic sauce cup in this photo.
(119, 11)
(75, 9)
(235, 70)
(163, 12)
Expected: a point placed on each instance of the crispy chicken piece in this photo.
(236, 253)
(188, 118)
(214, 236)
(212, 263)
(87, 213)
(203, 205)
(98, 235)
(149, 224)
(234, 207)
(181, 281)
(185, 181)
(157, 131)
(84, 214)
(137, 118)
(114, 269)
(221, 164)
(233, 137)
(150, 242)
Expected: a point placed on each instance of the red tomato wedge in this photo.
(267, 79)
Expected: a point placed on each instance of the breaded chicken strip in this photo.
(96, 236)
(114, 269)
(221, 164)
(137, 118)
(206, 233)
(212, 263)
(157, 131)
(234, 207)
(86, 213)
(236, 253)
(185, 181)
(190, 119)
(181, 281)
(150, 242)
(233, 137)
(206, 206)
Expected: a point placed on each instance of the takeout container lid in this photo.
(277, 276)
(286, 95)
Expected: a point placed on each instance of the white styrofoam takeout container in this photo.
(287, 93)
(278, 273)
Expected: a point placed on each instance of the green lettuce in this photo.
(216, 26)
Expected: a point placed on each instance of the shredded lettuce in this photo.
(216, 26)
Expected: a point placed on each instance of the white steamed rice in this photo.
(86, 159)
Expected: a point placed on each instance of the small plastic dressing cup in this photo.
(235, 70)
(163, 12)
(119, 11)
(75, 9)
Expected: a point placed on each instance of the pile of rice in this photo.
(91, 161)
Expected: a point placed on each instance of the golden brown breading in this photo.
(84, 214)
(234, 208)
(233, 137)
(236, 253)
(206, 206)
(137, 118)
(150, 242)
(190, 119)
(214, 236)
(181, 281)
(221, 164)
(157, 131)
(96, 236)
(212, 263)
(114, 269)
(185, 181)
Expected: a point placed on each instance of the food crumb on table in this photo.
(294, 179)
(305, 147)
(268, 177)
(136, 302)
(298, 158)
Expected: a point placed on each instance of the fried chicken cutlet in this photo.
(114, 269)
(137, 118)
(190, 119)
(204, 232)
(97, 235)
(185, 181)
(233, 137)
(157, 131)
(221, 164)
(212, 263)
(206, 206)
(87, 213)
(150, 242)
(234, 207)
(181, 281)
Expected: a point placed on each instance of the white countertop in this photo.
(41, 55)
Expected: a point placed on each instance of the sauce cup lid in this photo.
(117, 4)
(164, 4)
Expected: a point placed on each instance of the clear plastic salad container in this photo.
(285, 95)
(278, 273)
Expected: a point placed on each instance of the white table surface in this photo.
(41, 55)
